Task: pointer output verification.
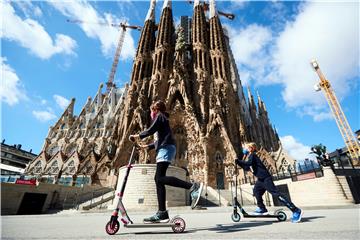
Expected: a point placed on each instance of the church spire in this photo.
(250, 97)
(163, 54)
(213, 12)
(196, 2)
(151, 13)
(167, 3)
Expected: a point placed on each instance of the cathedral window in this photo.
(53, 149)
(164, 59)
(218, 159)
(195, 59)
(71, 167)
(70, 150)
(37, 167)
(62, 126)
(54, 168)
(159, 61)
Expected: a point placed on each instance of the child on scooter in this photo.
(165, 152)
(264, 182)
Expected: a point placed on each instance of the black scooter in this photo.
(235, 216)
(176, 223)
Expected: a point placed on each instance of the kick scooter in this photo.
(176, 223)
(235, 216)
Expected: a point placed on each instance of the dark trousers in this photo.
(267, 184)
(161, 180)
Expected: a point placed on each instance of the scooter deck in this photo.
(260, 216)
(146, 225)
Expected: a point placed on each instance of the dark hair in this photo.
(158, 105)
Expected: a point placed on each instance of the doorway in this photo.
(32, 203)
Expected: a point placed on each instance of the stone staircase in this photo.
(328, 190)
(99, 202)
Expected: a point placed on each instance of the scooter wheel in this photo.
(235, 217)
(112, 227)
(179, 226)
(281, 216)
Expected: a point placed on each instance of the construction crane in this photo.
(122, 27)
(206, 8)
(341, 121)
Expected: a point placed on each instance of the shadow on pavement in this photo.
(309, 219)
(227, 228)
(219, 228)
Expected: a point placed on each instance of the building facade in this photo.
(191, 68)
(14, 161)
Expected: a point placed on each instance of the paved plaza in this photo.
(214, 223)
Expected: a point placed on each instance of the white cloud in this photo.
(97, 26)
(249, 46)
(31, 35)
(44, 116)
(327, 31)
(61, 101)
(318, 113)
(11, 90)
(237, 4)
(28, 8)
(296, 149)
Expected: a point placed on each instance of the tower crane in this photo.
(122, 26)
(350, 141)
(206, 8)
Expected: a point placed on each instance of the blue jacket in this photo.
(258, 168)
(161, 127)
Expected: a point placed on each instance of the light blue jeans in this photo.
(166, 154)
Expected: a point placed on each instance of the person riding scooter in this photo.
(264, 182)
(165, 153)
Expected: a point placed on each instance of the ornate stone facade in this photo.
(193, 70)
(199, 82)
(80, 149)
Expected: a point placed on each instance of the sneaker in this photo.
(159, 217)
(260, 211)
(297, 214)
(195, 193)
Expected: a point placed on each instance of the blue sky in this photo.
(46, 61)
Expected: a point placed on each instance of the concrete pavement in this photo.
(214, 223)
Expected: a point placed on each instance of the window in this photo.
(218, 159)
(82, 180)
(54, 168)
(53, 149)
(50, 180)
(65, 181)
(38, 167)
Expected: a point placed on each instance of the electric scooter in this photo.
(235, 216)
(176, 223)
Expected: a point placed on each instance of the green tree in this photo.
(321, 155)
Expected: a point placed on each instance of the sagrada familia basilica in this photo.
(191, 68)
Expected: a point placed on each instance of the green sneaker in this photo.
(195, 193)
(159, 217)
